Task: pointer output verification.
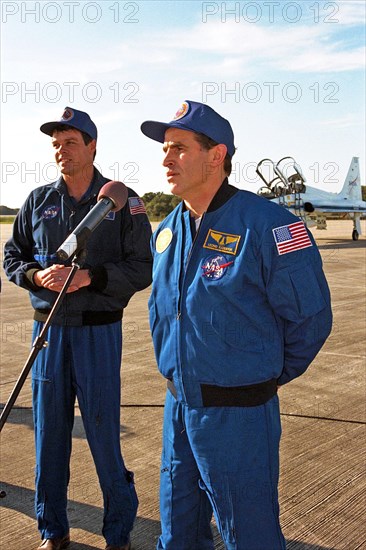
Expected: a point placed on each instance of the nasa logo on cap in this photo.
(68, 114)
(182, 111)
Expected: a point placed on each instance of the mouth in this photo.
(171, 174)
(64, 161)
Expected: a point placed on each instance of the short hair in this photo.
(86, 138)
(207, 144)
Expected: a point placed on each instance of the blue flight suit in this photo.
(235, 310)
(83, 358)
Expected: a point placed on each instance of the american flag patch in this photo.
(136, 205)
(289, 238)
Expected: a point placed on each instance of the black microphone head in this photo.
(117, 192)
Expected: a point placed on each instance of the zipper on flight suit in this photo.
(72, 224)
(182, 275)
(183, 270)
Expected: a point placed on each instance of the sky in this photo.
(289, 76)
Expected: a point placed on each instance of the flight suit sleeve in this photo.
(19, 263)
(134, 271)
(299, 295)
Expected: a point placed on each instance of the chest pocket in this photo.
(296, 295)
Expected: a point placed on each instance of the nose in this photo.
(62, 148)
(168, 160)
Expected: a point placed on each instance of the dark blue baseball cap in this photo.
(75, 119)
(195, 117)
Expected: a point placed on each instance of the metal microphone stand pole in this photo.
(40, 341)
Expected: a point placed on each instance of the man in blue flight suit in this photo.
(83, 358)
(239, 306)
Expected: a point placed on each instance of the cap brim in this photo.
(49, 127)
(155, 130)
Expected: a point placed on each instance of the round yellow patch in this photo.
(164, 239)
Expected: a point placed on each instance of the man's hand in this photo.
(54, 278)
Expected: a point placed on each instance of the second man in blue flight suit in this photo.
(239, 306)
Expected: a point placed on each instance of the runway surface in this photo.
(322, 486)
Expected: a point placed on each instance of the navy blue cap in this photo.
(195, 117)
(74, 118)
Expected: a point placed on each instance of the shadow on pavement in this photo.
(89, 518)
(341, 243)
(81, 515)
(24, 416)
(298, 545)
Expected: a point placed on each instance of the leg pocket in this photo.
(44, 408)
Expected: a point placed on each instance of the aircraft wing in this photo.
(341, 209)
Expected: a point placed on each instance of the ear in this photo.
(93, 145)
(219, 154)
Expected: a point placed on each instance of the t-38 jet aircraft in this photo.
(286, 186)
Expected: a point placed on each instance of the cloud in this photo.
(352, 12)
(298, 49)
(228, 48)
(348, 121)
(330, 59)
(245, 47)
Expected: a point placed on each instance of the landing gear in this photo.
(356, 227)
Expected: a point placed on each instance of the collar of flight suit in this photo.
(224, 193)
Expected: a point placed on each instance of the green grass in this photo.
(7, 219)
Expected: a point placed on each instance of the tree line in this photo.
(159, 205)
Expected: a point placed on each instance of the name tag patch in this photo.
(222, 242)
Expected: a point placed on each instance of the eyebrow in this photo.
(67, 140)
(172, 145)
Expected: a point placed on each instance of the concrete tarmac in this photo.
(322, 485)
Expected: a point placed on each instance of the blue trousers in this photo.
(82, 362)
(223, 460)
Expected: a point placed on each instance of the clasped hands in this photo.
(54, 278)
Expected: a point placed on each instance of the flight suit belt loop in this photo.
(234, 396)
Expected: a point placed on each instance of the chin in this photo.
(174, 189)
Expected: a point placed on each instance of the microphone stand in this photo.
(40, 341)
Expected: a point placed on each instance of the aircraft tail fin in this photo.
(352, 184)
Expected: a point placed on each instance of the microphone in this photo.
(112, 197)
